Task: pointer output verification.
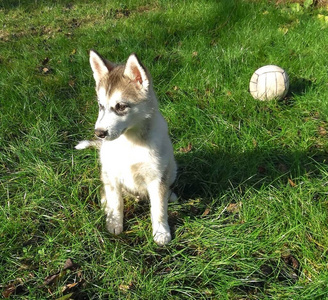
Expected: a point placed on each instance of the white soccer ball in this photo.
(268, 83)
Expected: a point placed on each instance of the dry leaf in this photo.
(291, 182)
(234, 207)
(15, 287)
(322, 131)
(69, 264)
(294, 264)
(69, 286)
(126, 287)
(51, 279)
(10, 289)
(206, 212)
(71, 83)
(186, 149)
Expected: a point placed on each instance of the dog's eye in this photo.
(120, 107)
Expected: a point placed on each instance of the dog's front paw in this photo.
(114, 223)
(162, 235)
(114, 227)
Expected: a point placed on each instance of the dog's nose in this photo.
(101, 133)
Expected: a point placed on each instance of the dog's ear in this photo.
(99, 66)
(136, 72)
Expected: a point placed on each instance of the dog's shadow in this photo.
(212, 174)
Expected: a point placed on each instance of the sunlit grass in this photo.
(251, 221)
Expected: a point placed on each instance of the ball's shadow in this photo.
(299, 86)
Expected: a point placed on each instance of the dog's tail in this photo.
(88, 144)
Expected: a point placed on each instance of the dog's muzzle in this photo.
(101, 133)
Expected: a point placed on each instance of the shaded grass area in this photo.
(251, 221)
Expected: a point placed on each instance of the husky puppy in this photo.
(136, 152)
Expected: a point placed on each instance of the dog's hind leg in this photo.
(159, 194)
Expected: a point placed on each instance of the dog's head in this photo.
(125, 95)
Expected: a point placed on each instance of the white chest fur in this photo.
(128, 164)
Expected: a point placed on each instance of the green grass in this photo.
(251, 221)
